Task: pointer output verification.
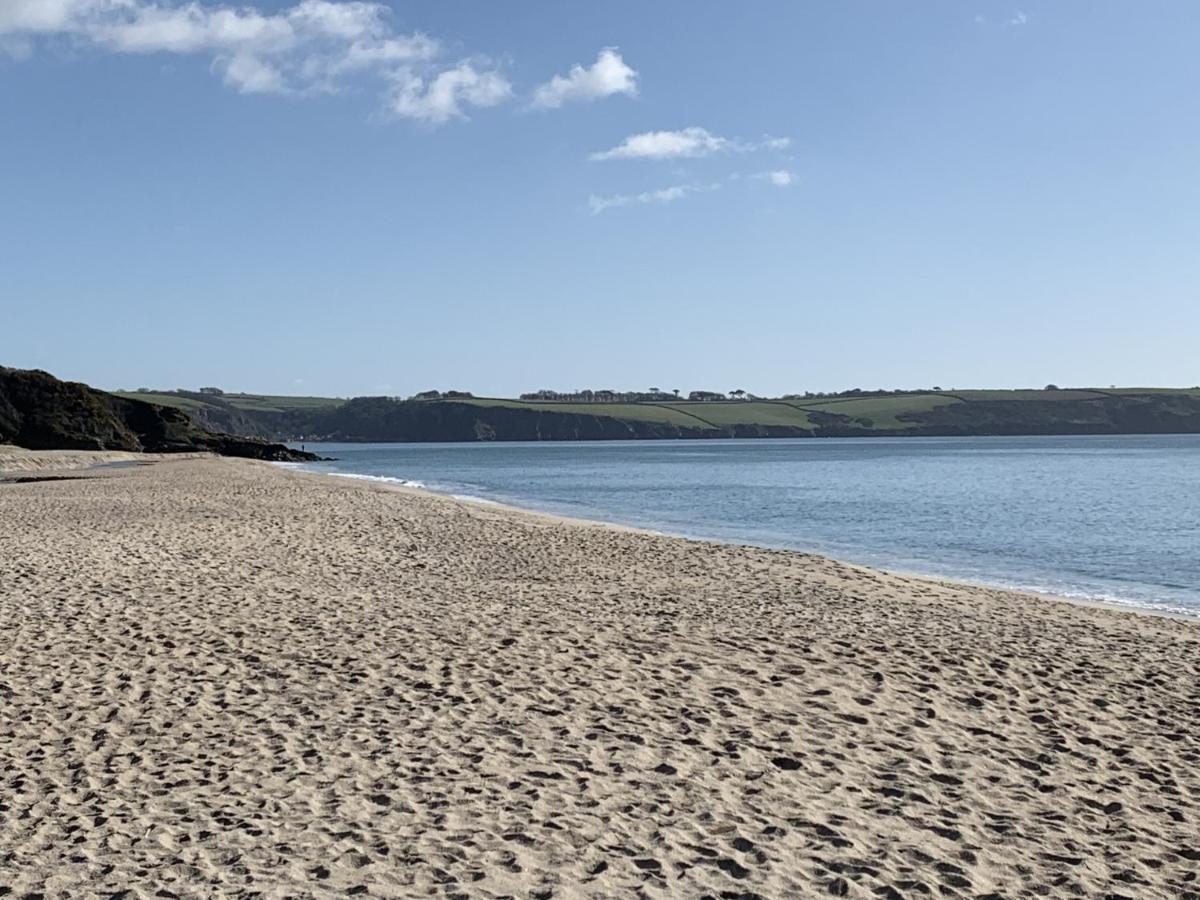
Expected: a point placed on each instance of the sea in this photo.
(1106, 518)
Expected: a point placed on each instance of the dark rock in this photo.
(39, 412)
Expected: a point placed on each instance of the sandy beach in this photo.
(224, 678)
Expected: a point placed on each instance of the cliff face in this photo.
(228, 420)
(385, 419)
(40, 412)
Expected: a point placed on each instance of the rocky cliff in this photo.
(40, 412)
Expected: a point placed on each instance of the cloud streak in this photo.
(1016, 20)
(597, 205)
(608, 76)
(687, 143)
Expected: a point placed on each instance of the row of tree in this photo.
(652, 395)
(441, 395)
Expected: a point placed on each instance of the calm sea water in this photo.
(1107, 518)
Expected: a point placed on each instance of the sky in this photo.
(347, 198)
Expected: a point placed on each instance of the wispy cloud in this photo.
(1017, 19)
(609, 75)
(778, 177)
(314, 46)
(687, 143)
(598, 205)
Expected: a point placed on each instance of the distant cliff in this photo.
(851, 414)
(386, 419)
(40, 412)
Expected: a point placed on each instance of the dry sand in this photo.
(223, 678)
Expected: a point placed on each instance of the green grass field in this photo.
(269, 403)
(643, 412)
(162, 399)
(882, 411)
(190, 400)
(745, 412)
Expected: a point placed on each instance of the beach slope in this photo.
(223, 678)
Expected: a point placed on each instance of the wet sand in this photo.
(223, 678)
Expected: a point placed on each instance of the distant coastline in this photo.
(456, 416)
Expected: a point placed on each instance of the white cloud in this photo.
(314, 45)
(609, 75)
(1019, 18)
(41, 16)
(778, 177)
(250, 75)
(598, 205)
(192, 29)
(368, 53)
(349, 21)
(441, 98)
(687, 143)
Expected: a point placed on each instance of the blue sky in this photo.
(341, 198)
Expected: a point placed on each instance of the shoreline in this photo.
(1033, 593)
(17, 462)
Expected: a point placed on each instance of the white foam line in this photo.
(471, 498)
(386, 479)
